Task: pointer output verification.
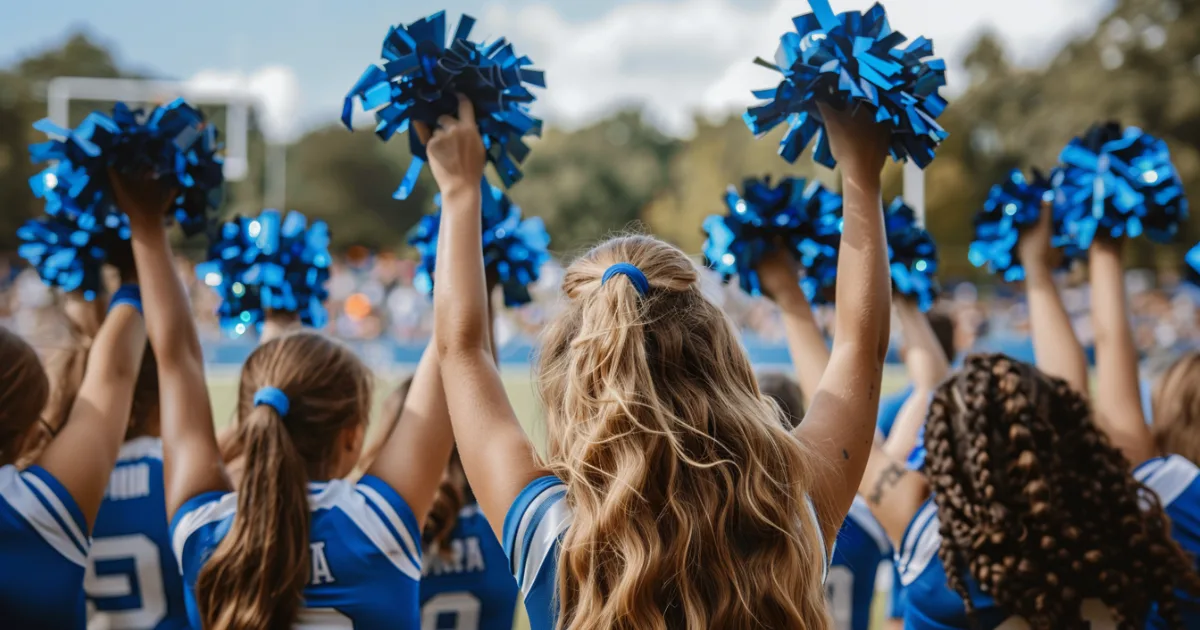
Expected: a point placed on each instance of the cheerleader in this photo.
(671, 496)
(47, 510)
(295, 544)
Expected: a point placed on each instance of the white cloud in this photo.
(276, 88)
(686, 56)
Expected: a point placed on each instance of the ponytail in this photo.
(451, 496)
(256, 576)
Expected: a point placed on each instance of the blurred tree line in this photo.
(1141, 67)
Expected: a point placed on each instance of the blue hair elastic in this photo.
(273, 397)
(127, 294)
(635, 275)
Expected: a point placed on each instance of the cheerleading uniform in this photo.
(43, 549)
(364, 550)
(469, 587)
(850, 588)
(1176, 481)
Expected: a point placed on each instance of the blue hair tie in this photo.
(273, 397)
(635, 275)
(127, 294)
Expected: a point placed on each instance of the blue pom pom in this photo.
(171, 143)
(1014, 205)
(1119, 183)
(913, 255)
(514, 249)
(805, 218)
(70, 255)
(1192, 258)
(420, 77)
(853, 60)
(268, 263)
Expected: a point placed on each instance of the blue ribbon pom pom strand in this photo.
(514, 248)
(1119, 182)
(912, 254)
(802, 217)
(853, 60)
(268, 263)
(69, 256)
(1013, 205)
(420, 77)
(172, 144)
(1192, 258)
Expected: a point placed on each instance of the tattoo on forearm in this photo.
(888, 478)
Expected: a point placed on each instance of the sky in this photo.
(673, 58)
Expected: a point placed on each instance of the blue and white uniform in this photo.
(861, 546)
(364, 548)
(533, 528)
(930, 604)
(469, 587)
(1176, 481)
(132, 577)
(43, 550)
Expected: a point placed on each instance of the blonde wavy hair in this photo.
(688, 494)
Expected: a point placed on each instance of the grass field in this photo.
(223, 390)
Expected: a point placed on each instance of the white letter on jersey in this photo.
(474, 555)
(321, 574)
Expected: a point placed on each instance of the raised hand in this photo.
(455, 149)
(1034, 248)
(859, 144)
(141, 197)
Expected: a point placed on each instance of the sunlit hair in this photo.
(452, 494)
(256, 576)
(1176, 409)
(24, 391)
(1038, 508)
(688, 494)
(66, 370)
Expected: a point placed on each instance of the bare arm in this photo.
(191, 459)
(83, 454)
(893, 493)
(1055, 346)
(927, 366)
(840, 423)
(1118, 408)
(497, 456)
(806, 343)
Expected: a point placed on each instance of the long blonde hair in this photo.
(688, 494)
(1176, 409)
(256, 576)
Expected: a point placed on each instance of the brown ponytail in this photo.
(256, 576)
(24, 390)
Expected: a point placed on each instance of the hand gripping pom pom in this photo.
(1119, 183)
(421, 76)
(172, 143)
(1012, 206)
(69, 255)
(267, 264)
(912, 254)
(852, 60)
(514, 249)
(805, 218)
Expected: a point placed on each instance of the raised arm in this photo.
(83, 454)
(497, 455)
(1118, 408)
(840, 422)
(893, 493)
(805, 341)
(1055, 346)
(927, 366)
(191, 460)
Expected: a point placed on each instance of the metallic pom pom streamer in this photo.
(1119, 182)
(913, 255)
(852, 60)
(68, 255)
(1014, 205)
(805, 218)
(1192, 258)
(514, 249)
(420, 77)
(172, 143)
(269, 263)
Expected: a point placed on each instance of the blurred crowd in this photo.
(373, 297)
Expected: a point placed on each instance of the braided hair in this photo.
(1038, 508)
